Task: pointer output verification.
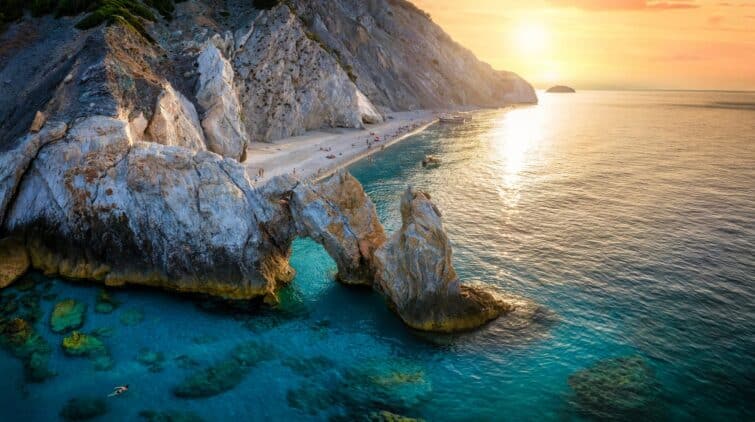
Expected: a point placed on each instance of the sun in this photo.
(531, 38)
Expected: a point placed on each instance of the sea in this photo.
(629, 217)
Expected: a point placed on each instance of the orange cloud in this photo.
(626, 4)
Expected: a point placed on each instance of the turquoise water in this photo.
(629, 215)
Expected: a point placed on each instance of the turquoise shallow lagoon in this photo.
(629, 215)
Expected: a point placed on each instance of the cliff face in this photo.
(402, 60)
(119, 152)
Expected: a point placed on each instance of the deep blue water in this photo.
(630, 216)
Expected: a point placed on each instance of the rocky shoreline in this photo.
(119, 166)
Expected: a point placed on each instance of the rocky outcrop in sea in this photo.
(120, 147)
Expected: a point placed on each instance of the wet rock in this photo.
(622, 388)
(105, 302)
(169, 416)
(22, 340)
(415, 271)
(83, 408)
(132, 317)
(338, 214)
(14, 261)
(226, 374)
(153, 360)
(67, 315)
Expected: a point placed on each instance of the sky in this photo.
(607, 44)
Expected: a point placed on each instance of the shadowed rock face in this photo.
(415, 272)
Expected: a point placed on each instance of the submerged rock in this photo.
(80, 344)
(226, 374)
(132, 317)
(83, 408)
(14, 261)
(22, 340)
(169, 416)
(416, 274)
(67, 315)
(622, 388)
(105, 302)
(385, 416)
(90, 346)
(394, 384)
(155, 361)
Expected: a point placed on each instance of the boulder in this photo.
(216, 93)
(175, 122)
(415, 272)
(368, 111)
(99, 205)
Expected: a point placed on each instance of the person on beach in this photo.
(117, 391)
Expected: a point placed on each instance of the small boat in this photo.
(453, 119)
(431, 161)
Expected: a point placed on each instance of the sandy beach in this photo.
(319, 153)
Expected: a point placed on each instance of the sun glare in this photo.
(531, 38)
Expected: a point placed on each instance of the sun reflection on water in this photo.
(514, 139)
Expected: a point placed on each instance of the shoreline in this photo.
(318, 154)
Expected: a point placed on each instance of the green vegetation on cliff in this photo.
(99, 11)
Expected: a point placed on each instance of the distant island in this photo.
(561, 89)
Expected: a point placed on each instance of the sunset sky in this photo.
(675, 44)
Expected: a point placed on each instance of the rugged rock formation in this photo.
(99, 205)
(176, 122)
(216, 93)
(416, 274)
(402, 60)
(289, 83)
(130, 172)
(339, 215)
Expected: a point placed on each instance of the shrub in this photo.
(265, 4)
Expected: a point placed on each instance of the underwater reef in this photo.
(226, 374)
(67, 315)
(83, 408)
(623, 388)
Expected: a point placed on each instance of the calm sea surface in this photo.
(630, 216)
